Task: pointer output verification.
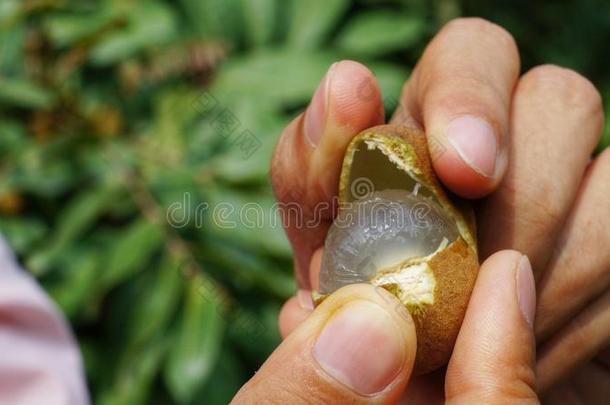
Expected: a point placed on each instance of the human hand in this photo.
(467, 95)
(359, 346)
(553, 206)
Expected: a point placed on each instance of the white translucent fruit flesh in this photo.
(379, 232)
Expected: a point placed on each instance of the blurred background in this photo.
(126, 124)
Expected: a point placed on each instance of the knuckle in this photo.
(477, 25)
(576, 89)
(569, 91)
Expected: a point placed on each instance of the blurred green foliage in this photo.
(115, 114)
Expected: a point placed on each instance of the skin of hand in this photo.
(359, 346)
(522, 144)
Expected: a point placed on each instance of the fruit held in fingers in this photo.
(398, 229)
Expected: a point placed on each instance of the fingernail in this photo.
(315, 116)
(526, 290)
(475, 141)
(362, 347)
(304, 298)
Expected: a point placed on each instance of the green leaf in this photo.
(132, 251)
(280, 77)
(22, 233)
(77, 217)
(248, 148)
(248, 269)
(250, 219)
(24, 93)
(380, 32)
(78, 282)
(260, 17)
(195, 349)
(255, 332)
(67, 29)
(9, 10)
(149, 24)
(391, 79)
(224, 382)
(13, 140)
(309, 25)
(135, 374)
(157, 299)
(215, 18)
(247, 159)
(40, 174)
(11, 48)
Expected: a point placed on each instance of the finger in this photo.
(587, 385)
(307, 159)
(603, 358)
(460, 92)
(576, 343)
(556, 122)
(494, 354)
(425, 389)
(358, 346)
(315, 266)
(294, 312)
(579, 269)
(407, 113)
(298, 308)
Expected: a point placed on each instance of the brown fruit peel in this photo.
(451, 270)
(408, 150)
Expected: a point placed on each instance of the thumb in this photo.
(494, 355)
(307, 160)
(358, 346)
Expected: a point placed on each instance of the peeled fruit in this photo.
(398, 229)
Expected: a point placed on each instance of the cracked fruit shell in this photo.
(399, 230)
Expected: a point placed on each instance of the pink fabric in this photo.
(39, 358)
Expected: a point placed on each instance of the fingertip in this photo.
(496, 289)
(459, 177)
(494, 356)
(347, 97)
(375, 294)
(292, 314)
(502, 259)
(355, 97)
(315, 266)
(357, 346)
(526, 290)
(468, 155)
(307, 160)
(399, 315)
(368, 340)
